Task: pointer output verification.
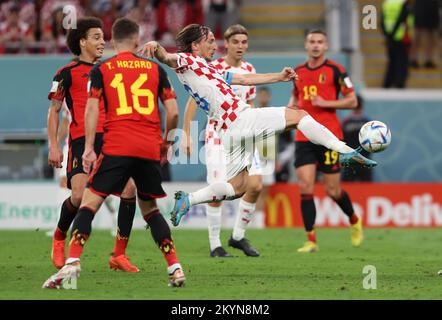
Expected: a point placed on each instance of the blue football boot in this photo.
(181, 207)
(347, 159)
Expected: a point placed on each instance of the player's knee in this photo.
(333, 191)
(76, 198)
(129, 191)
(293, 116)
(255, 189)
(305, 187)
(148, 207)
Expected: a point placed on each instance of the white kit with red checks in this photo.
(234, 122)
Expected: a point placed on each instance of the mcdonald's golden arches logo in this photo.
(279, 200)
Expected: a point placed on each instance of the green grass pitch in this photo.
(406, 261)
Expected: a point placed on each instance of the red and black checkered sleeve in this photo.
(165, 89)
(95, 85)
(60, 84)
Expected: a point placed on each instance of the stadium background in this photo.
(276, 40)
(407, 188)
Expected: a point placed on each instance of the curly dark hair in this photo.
(191, 33)
(83, 26)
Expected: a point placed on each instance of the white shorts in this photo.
(238, 141)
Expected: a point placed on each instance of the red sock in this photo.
(120, 245)
(59, 235)
(168, 249)
(311, 236)
(354, 219)
(76, 245)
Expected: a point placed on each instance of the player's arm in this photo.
(64, 127)
(293, 101)
(91, 114)
(60, 84)
(285, 75)
(349, 101)
(189, 115)
(172, 115)
(153, 49)
(168, 98)
(55, 156)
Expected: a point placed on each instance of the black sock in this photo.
(126, 214)
(67, 215)
(345, 204)
(158, 227)
(83, 222)
(308, 210)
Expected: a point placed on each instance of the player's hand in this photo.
(149, 49)
(164, 152)
(89, 159)
(318, 101)
(187, 145)
(288, 74)
(55, 157)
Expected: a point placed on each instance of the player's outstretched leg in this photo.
(318, 134)
(217, 191)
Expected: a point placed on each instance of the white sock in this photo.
(244, 216)
(318, 134)
(216, 191)
(171, 269)
(72, 260)
(214, 226)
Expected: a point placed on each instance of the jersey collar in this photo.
(308, 67)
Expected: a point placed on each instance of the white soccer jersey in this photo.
(210, 89)
(246, 93)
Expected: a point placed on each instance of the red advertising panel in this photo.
(379, 205)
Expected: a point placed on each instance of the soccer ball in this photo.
(374, 136)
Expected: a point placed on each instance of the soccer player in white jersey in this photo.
(236, 45)
(235, 122)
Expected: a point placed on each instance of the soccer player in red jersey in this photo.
(317, 91)
(70, 85)
(133, 146)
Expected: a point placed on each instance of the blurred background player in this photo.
(396, 23)
(426, 26)
(350, 127)
(321, 80)
(70, 85)
(236, 44)
(133, 145)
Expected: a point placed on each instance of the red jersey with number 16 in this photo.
(328, 81)
(131, 86)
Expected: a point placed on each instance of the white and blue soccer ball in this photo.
(374, 136)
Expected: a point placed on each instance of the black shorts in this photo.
(327, 161)
(112, 173)
(75, 161)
